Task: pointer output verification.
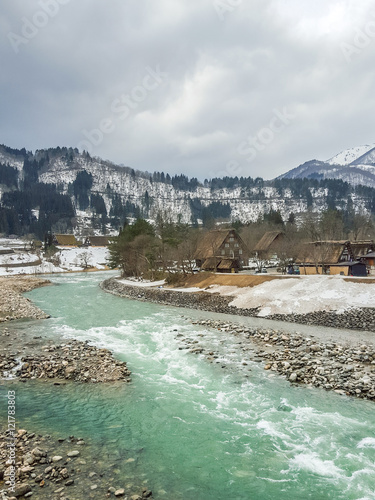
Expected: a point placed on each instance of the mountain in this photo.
(64, 190)
(355, 166)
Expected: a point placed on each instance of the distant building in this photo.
(355, 268)
(221, 250)
(369, 260)
(333, 257)
(65, 240)
(269, 243)
(96, 241)
(361, 248)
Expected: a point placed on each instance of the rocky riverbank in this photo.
(71, 360)
(353, 319)
(346, 368)
(13, 305)
(62, 469)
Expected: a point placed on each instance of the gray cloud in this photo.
(229, 73)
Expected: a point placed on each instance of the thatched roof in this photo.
(65, 240)
(267, 240)
(327, 252)
(97, 241)
(210, 243)
(210, 263)
(362, 247)
(227, 264)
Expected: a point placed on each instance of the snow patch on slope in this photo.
(301, 295)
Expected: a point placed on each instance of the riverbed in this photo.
(188, 428)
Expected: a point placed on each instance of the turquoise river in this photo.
(195, 430)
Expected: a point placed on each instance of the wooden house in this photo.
(361, 248)
(269, 243)
(317, 257)
(369, 260)
(96, 241)
(65, 240)
(221, 250)
(355, 268)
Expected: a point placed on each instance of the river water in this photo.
(194, 430)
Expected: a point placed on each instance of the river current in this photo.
(194, 430)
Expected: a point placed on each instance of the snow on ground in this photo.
(66, 259)
(157, 284)
(301, 296)
(142, 283)
(75, 259)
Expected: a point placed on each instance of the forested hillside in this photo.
(63, 190)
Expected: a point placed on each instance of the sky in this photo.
(206, 88)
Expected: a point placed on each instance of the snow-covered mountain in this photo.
(355, 166)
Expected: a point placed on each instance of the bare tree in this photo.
(84, 259)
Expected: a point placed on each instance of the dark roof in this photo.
(371, 255)
(348, 264)
(97, 241)
(267, 240)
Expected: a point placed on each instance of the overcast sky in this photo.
(201, 87)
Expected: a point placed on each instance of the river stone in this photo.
(22, 489)
(293, 377)
(64, 473)
(119, 492)
(73, 453)
(56, 458)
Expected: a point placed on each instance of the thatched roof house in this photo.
(219, 245)
(269, 242)
(65, 240)
(362, 247)
(326, 252)
(96, 241)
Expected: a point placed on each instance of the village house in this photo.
(361, 248)
(267, 247)
(330, 257)
(221, 250)
(96, 241)
(65, 240)
(369, 260)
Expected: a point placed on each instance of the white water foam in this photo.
(310, 462)
(368, 442)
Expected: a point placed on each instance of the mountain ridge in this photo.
(51, 187)
(355, 166)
